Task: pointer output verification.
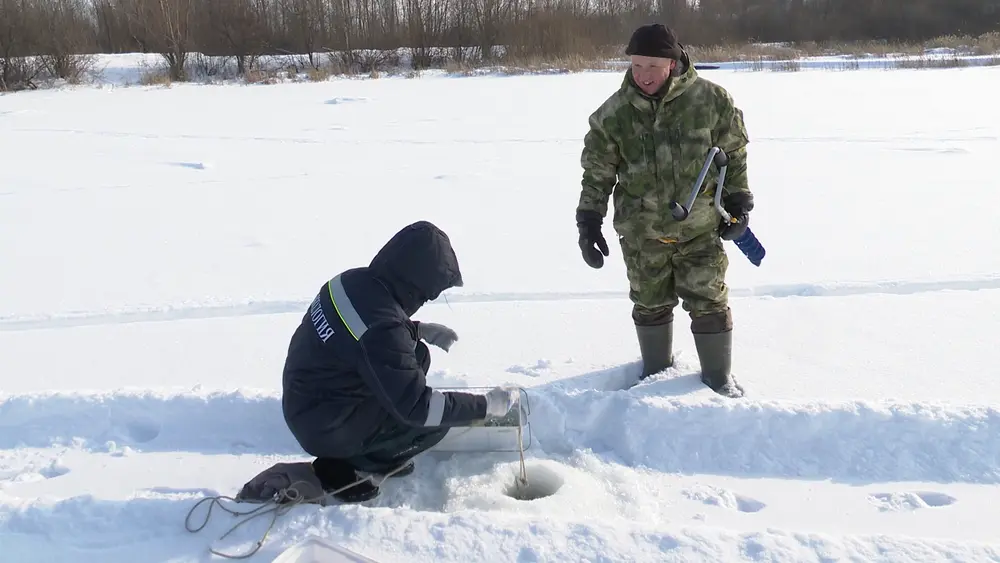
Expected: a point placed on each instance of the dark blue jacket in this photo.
(351, 369)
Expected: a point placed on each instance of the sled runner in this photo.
(315, 549)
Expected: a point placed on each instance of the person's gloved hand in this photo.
(436, 334)
(739, 205)
(589, 225)
(499, 401)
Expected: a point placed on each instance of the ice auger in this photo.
(747, 243)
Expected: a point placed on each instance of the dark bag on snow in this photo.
(284, 483)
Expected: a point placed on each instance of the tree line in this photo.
(54, 32)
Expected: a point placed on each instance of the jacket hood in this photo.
(416, 265)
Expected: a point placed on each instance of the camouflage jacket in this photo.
(647, 153)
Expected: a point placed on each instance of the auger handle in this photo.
(748, 244)
(680, 211)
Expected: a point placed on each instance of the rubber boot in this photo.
(656, 347)
(335, 474)
(406, 469)
(715, 353)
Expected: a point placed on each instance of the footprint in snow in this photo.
(724, 498)
(33, 472)
(242, 446)
(191, 165)
(531, 371)
(143, 430)
(54, 469)
(127, 431)
(909, 500)
(344, 100)
(443, 378)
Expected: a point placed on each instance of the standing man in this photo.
(646, 145)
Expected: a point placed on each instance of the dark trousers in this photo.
(395, 447)
(396, 444)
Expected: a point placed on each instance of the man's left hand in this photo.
(437, 334)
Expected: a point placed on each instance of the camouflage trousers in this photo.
(663, 274)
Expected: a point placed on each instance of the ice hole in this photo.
(542, 482)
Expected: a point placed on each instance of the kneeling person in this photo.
(354, 389)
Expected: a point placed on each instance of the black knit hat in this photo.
(654, 40)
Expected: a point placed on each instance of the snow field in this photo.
(154, 282)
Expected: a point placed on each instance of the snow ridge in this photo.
(526, 537)
(614, 457)
(856, 441)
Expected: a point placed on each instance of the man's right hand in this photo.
(592, 243)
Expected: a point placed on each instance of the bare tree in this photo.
(364, 35)
(67, 38)
(20, 35)
(238, 28)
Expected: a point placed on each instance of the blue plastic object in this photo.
(751, 247)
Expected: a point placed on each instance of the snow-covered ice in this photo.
(160, 245)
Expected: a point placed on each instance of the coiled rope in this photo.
(283, 500)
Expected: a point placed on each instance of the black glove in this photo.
(739, 205)
(589, 225)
